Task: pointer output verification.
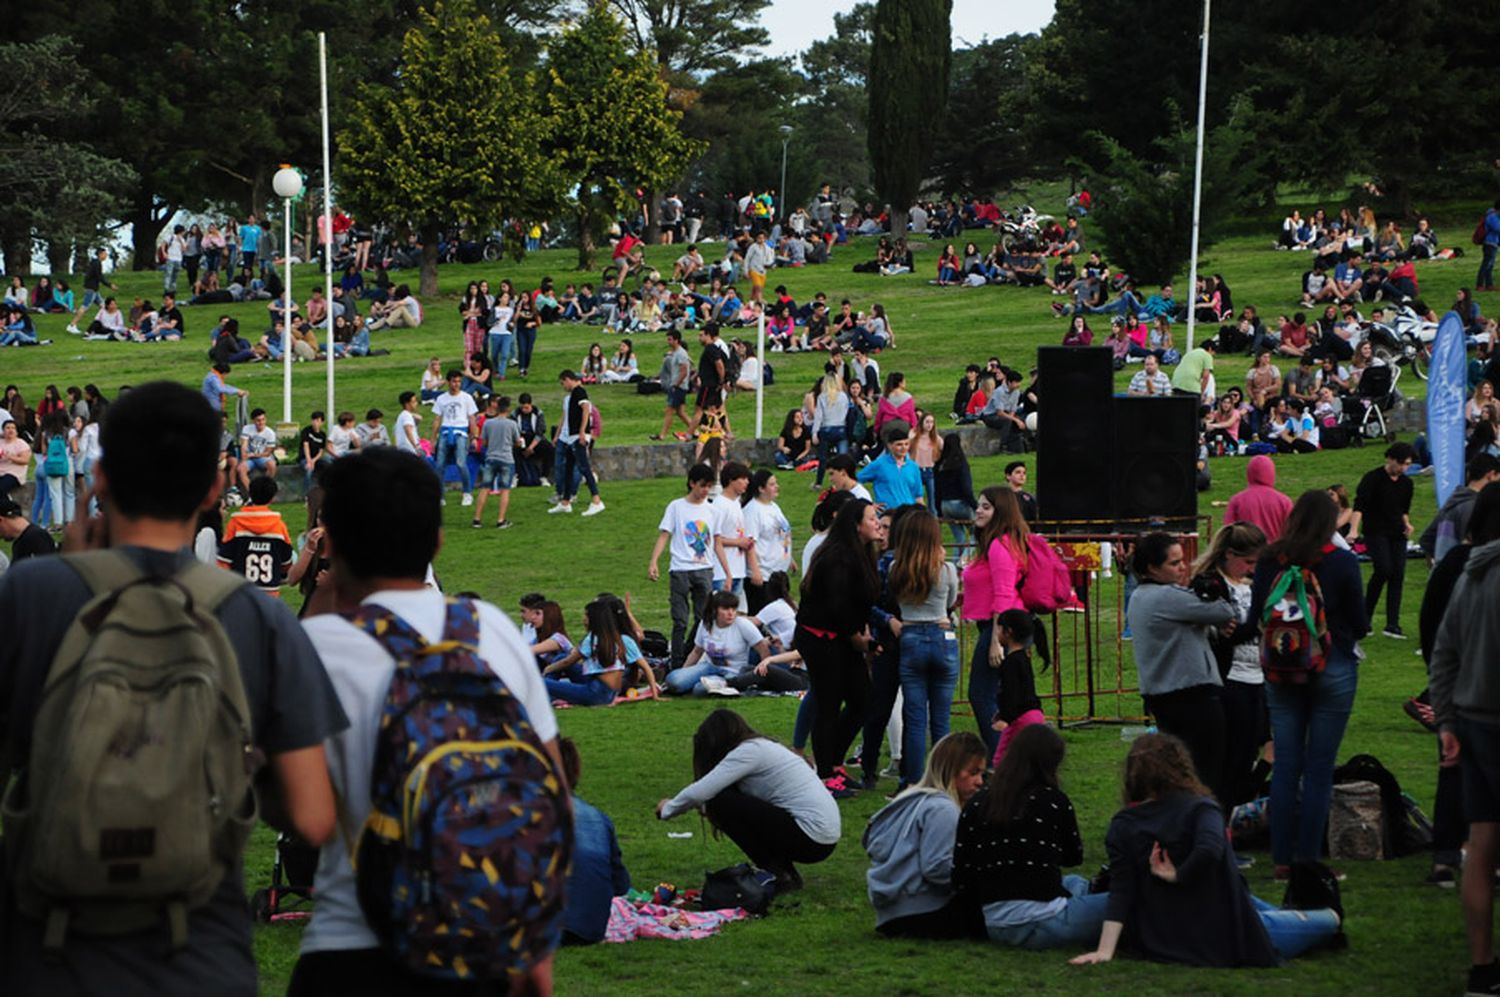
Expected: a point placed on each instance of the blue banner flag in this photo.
(1446, 383)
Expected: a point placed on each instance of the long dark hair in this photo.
(825, 511)
(604, 628)
(844, 557)
(1308, 529)
(757, 482)
(1006, 521)
(1484, 521)
(952, 456)
(1031, 762)
(719, 734)
(789, 425)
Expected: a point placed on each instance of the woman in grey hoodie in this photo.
(1179, 675)
(910, 844)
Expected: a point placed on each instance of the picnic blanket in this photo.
(628, 921)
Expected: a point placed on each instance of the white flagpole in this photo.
(327, 215)
(760, 382)
(1192, 285)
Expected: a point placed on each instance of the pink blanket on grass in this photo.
(628, 921)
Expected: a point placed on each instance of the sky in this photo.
(795, 23)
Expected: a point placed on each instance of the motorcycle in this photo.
(1021, 225)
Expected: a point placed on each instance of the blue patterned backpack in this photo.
(461, 866)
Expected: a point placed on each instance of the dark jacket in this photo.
(1205, 918)
(1343, 595)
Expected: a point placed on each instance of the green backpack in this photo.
(136, 798)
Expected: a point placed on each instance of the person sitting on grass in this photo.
(1014, 839)
(1175, 894)
(721, 648)
(602, 659)
(599, 874)
(762, 795)
(910, 843)
(548, 630)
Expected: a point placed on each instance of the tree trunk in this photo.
(15, 244)
(146, 220)
(58, 253)
(428, 286)
(899, 218)
(586, 241)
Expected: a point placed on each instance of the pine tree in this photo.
(909, 65)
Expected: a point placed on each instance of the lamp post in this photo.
(1192, 285)
(287, 183)
(786, 136)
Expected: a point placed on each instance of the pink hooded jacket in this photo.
(1260, 503)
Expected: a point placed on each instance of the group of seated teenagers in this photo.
(1351, 233)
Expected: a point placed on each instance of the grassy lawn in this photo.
(1406, 938)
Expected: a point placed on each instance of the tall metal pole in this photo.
(1192, 287)
(286, 319)
(327, 216)
(781, 201)
(760, 382)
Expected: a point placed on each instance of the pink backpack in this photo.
(1046, 586)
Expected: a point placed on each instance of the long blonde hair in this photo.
(946, 762)
(1240, 539)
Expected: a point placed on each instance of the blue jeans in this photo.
(929, 482)
(575, 463)
(929, 673)
(685, 680)
(1293, 932)
(830, 438)
(589, 692)
(1077, 923)
(500, 349)
(525, 343)
(1307, 726)
(453, 448)
(1486, 276)
(41, 501)
(359, 346)
(984, 687)
(169, 276)
(958, 509)
(802, 726)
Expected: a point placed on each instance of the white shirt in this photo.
(340, 440)
(759, 257)
(691, 528)
(750, 370)
(773, 536)
(810, 548)
(779, 618)
(455, 410)
(406, 432)
(360, 671)
(728, 647)
(729, 522)
(257, 441)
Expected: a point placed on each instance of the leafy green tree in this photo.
(53, 189)
(982, 146)
(836, 109)
(693, 37)
(1144, 207)
(908, 86)
(611, 128)
(452, 141)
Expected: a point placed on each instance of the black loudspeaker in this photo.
(1155, 459)
(1073, 454)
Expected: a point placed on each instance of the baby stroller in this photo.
(291, 880)
(1377, 392)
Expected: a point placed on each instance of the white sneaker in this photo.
(594, 509)
(545, 482)
(75, 330)
(560, 507)
(468, 499)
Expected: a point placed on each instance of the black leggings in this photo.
(767, 834)
(1388, 564)
(958, 919)
(1245, 730)
(885, 683)
(372, 971)
(1196, 715)
(837, 672)
(778, 678)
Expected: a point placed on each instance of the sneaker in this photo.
(594, 509)
(1243, 862)
(1484, 981)
(893, 770)
(74, 330)
(1394, 633)
(1442, 876)
(468, 499)
(869, 782)
(560, 507)
(476, 525)
(544, 482)
(1057, 309)
(504, 524)
(1421, 713)
(838, 788)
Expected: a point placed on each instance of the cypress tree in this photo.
(908, 86)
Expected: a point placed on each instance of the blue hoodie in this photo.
(910, 844)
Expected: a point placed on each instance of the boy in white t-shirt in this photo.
(720, 650)
(408, 436)
(453, 426)
(688, 526)
(735, 548)
(372, 564)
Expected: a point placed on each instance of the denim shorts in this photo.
(259, 463)
(1479, 760)
(497, 475)
(676, 397)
